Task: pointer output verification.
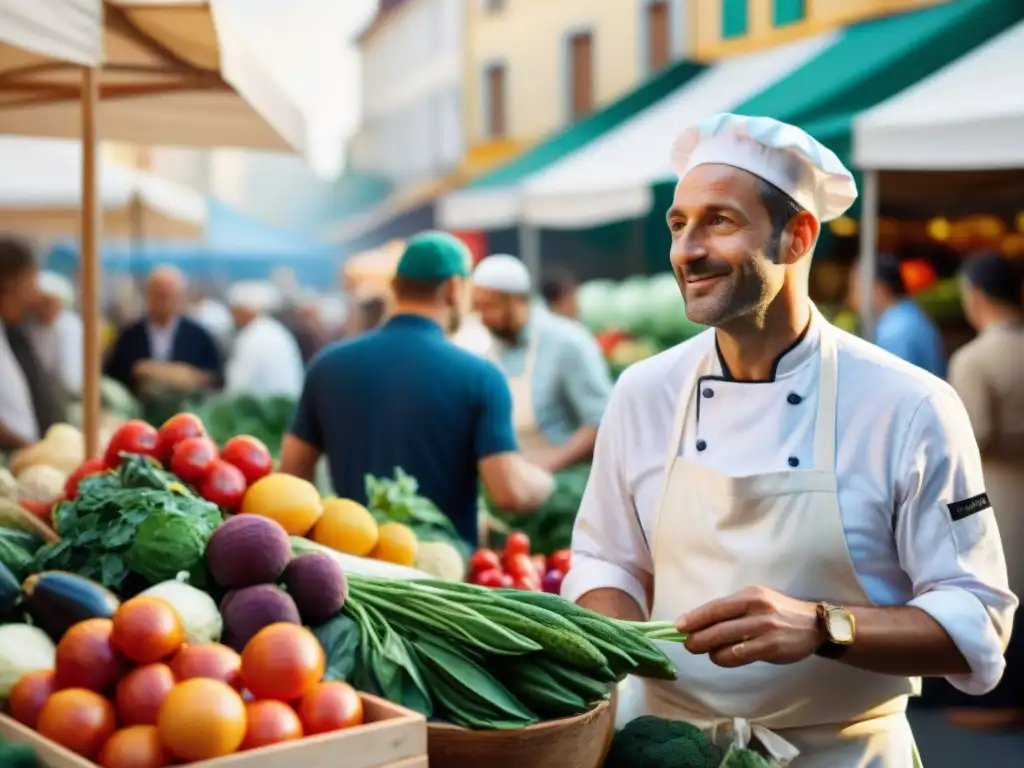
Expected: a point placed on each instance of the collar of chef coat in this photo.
(802, 351)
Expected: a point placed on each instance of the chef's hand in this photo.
(754, 624)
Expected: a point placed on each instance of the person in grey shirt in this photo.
(559, 379)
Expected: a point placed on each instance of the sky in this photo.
(308, 47)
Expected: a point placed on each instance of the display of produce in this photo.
(549, 528)
(517, 567)
(126, 690)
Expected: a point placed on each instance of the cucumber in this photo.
(566, 645)
(57, 600)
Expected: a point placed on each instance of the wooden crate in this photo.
(393, 737)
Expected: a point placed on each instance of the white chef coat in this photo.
(265, 360)
(17, 412)
(161, 340)
(905, 450)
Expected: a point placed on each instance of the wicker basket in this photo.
(573, 742)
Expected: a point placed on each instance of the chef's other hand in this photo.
(754, 624)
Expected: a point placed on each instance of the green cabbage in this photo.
(170, 541)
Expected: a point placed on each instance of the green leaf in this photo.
(340, 640)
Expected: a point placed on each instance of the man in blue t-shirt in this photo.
(404, 396)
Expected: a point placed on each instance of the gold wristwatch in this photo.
(840, 628)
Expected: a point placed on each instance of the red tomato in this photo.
(224, 485)
(520, 565)
(133, 436)
(561, 560)
(250, 456)
(540, 562)
(552, 581)
(192, 457)
(484, 560)
(177, 428)
(529, 583)
(490, 578)
(517, 543)
(89, 467)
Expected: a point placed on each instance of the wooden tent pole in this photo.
(90, 265)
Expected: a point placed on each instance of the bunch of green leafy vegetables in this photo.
(138, 520)
(397, 501)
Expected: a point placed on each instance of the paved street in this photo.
(945, 747)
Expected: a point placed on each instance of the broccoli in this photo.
(651, 742)
(745, 758)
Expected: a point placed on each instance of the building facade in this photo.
(412, 68)
(730, 27)
(533, 67)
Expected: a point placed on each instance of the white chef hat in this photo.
(257, 295)
(781, 154)
(58, 287)
(503, 273)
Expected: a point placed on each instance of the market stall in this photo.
(41, 195)
(145, 71)
(951, 142)
(191, 605)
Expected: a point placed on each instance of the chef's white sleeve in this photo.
(948, 541)
(609, 550)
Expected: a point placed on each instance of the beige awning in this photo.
(41, 195)
(175, 72)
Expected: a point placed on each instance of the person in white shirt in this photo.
(807, 507)
(265, 358)
(58, 332)
(30, 401)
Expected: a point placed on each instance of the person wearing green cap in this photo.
(405, 396)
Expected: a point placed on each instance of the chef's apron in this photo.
(529, 435)
(714, 535)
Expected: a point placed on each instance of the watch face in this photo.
(840, 626)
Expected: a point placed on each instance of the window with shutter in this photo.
(659, 35)
(496, 118)
(734, 18)
(787, 12)
(581, 74)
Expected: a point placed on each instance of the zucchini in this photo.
(57, 600)
(9, 592)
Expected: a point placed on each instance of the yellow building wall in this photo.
(819, 16)
(531, 38)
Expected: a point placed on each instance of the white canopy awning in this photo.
(41, 193)
(967, 116)
(610, 178)
(67, 30)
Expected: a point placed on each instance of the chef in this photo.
(265, 357)
(559, 380)
(807, 507)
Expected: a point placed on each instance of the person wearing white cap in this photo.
(807, 507)
(559, 380)
(57, 332)
(265, 358)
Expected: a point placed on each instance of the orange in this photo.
(270, 722)
(201, 719)
(283, 662)
(291, 501)
(346, 526)
(397, 544)
(86, 657)
(137, 746)
(78, 719)
(210, 660)
(147, 630)
(330, 706)
(141, 692)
